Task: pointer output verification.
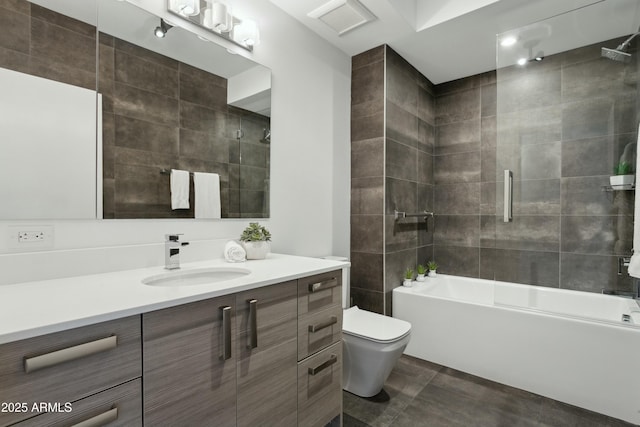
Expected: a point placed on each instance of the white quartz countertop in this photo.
(37, 308)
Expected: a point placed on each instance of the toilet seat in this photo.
(373, 326)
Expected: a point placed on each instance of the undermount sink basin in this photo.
(199, 276)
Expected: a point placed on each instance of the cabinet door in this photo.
(320, 388)
(120, 406)
(267, 349)
(186, 379)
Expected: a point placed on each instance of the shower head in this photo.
(620, 53)
(616, 54)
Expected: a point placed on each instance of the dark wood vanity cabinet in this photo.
(269, 356)
(189, 366)
(65, 378)
(320, 349)
(227, 361)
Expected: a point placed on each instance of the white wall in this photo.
(309, 157)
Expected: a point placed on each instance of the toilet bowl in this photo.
(371, 345)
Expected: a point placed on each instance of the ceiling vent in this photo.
(342, 15)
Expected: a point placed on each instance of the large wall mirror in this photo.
(177, 102)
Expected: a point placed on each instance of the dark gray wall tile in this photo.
(598, 116)
(457, 199)
(146, 75)
(367, 158)
(426, 136)
(461, 167)
(535, 233)
(426, 106)
(533, 268)
(590, 273)
(529, 161)
(401, 195)
(401, 87)
(368, 300)
(396, 263)
(529, 90)
(458, 137)
(457, 230)
(401, 125)
(537, 197)
(148, 136)
(531, 126)
(597, 156)
(604, 235)
(367, 90)
(488, 230)
(367, 127)
(401, 234)
(458, 106)
(425, 168)
(457, 260)
(593, 78)
(16, 32)
(584, 196)
(489, 100)
(366, 233)
(401, 161)
(367, 195)
(367, 271)
(365, 58)
(488, 198)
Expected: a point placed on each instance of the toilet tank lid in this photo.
(373, 326)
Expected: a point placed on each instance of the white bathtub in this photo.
(567, 345)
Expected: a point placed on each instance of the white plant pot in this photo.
(257, 250)
(408, 283)
(617, 181)
(432, 273)
(420, 278)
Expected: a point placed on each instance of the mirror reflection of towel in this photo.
(179, 189)
(207, 195)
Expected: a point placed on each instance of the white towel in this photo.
(179, 189)
(207, 194)
(234, 252)
(634, 264)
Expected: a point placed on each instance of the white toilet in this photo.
(371, 346)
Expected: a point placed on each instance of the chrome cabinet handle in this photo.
(315, 328)
(32, 364)
(99, 420)
(332, 360)
(226, 332)
(325, 284)
(253, 323)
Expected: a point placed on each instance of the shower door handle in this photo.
(508, 195)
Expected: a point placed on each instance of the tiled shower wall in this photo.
(392, 122)
(560, 125)
(159, 113)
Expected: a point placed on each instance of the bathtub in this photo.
(570, 346)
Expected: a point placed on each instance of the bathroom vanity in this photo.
(260, 349)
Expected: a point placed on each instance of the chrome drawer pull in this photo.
(332, 360)
(99, 420)
(315, 328)
(226, 332)
(326, 284)
(253, 323)
(32, 364)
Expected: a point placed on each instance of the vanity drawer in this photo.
(318, 330)
(320, 387)
(118, 406)
(319, 292)
(69, 365)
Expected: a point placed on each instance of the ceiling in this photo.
(450, 39)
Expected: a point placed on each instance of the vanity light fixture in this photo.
(215, 17)
(185, 7)
(247, 32)
(161, 30)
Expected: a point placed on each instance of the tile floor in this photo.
(426, 394)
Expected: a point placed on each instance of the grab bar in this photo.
(508, 195)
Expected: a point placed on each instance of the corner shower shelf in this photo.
(618, 187)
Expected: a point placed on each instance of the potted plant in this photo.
(408, 278)
(432, 266)
(422, 270)
(623, 175)
(255, 240)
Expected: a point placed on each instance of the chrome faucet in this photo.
(172, 246)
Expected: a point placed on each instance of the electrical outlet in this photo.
(30, 237)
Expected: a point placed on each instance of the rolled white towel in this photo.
(233, 252)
